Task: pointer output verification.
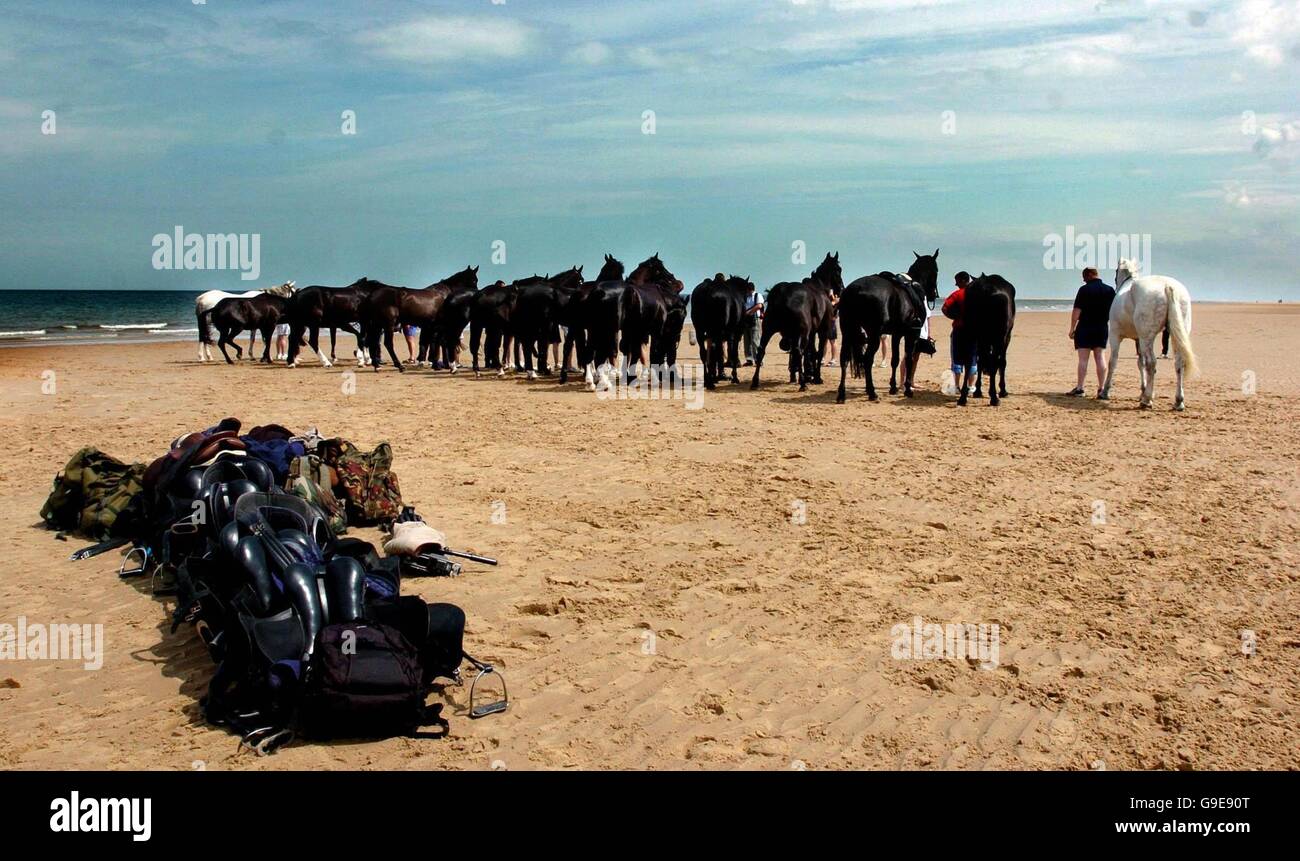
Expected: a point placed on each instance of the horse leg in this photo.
(1002, 369)
(1104, 394)
(893, 365)
(965, 386)
(1179, 404)
(1147, 353)
(909, 366)
(763, 338)
(392, 354)
(873, 345)
(314, 340)
(993, 379)
(223, 338)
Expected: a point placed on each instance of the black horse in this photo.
(538, 311)
(258, 313)
(882, 305)
(335, 308)
(387, 307)
(988, 316)
(440, 343)
(490, 314)
(718, 315)
(573, 314)
(601, 316)
(803, 312)
(651, 294)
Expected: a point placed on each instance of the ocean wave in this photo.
(25, 333)
(133, 326)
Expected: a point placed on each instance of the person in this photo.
(831, 347)
(282, 341)
(1090, 327)
(754, 327)
(961, 347)
(412, 334)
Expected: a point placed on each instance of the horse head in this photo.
(612, 270)
(925, 271)
(653, 271)
(829, 274)
(1125, 271)
(568, 279)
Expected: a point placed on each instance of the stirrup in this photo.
(145, 559)
(476, 712)
(266, 740)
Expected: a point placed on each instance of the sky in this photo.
(872, 128)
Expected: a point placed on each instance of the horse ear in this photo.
(936, 254)
(917, 256)
(837, 255)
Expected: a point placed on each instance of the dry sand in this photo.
(656, 607)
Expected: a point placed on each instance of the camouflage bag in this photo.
(368, 484)
(97, 496)
(309, 479)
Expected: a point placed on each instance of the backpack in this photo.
(366, 680)
(97, 496)
(369, 486)
(309, 479)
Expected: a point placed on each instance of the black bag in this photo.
(365, 681)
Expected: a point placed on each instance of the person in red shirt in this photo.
(961, 347)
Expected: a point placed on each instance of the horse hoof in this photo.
(1144, 406)
(961, 402)
(873, 397)
(893, 390)
(753, 387)
(1179, 407)
(908, 393)
(993, 402)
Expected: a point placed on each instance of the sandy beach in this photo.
(718, 587)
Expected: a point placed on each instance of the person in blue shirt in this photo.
(1090, 326)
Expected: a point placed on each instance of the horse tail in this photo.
(205, 334)
(1180, 331)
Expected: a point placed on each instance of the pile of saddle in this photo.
(309, 630)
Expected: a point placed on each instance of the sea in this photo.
(47, 317)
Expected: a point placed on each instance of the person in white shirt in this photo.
(754, 326)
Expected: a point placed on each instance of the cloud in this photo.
(436, 40)
(591, 53)
(1269, 30)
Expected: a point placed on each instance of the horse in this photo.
(537, 315)
(262, 312)
(601, 315)
(718, 315)
(651, 293)
(1144, 305)
(490, 313)
(886, 304)
(206, 302)
(803, 312)
(334, 308)
(441, 343)
(388, 307)
(573, 314)
(988, 316)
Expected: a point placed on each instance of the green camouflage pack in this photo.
(96, 496)
(368, 484)
(309, 479)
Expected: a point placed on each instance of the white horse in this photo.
(1143, 306)
(204, 305)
